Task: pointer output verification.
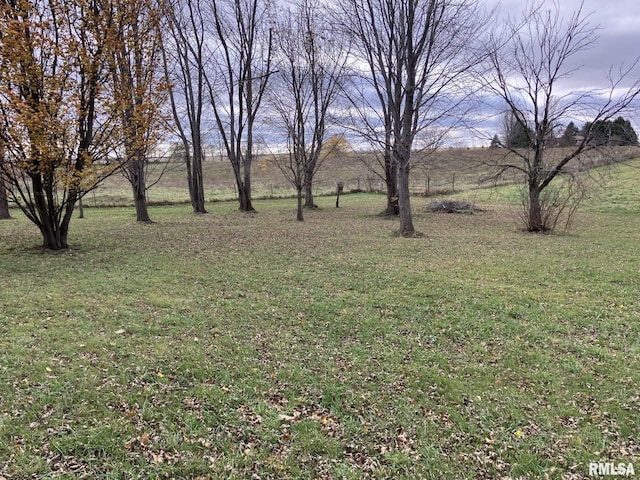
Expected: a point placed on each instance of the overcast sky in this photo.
(618, 42)
(617, 46)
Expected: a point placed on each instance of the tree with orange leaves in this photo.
(58, 125)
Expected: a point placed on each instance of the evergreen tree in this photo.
(605, 132)
(569, 136)
(519, 136)
(623, 133)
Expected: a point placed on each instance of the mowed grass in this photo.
(236, 345)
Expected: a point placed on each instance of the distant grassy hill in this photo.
(439, 172)
(619, 192)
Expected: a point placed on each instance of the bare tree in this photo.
(310, 60)
(529, 61)
(185, 61)
(139, 91)
(416, 54)
(243, 48)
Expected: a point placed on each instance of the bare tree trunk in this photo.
(138, 185)
(245, 194)
(190, 183)
(404, 202)
(310, 167)
(4, 201)
(198, 183)
(66, 218)
(391, 180)
(51, 240)
(243, 199)
(309, 201)
(534, 214)
(195, 178)
(243, 183)
(300, 216)
(53, 236)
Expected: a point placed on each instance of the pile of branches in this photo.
(452, 206)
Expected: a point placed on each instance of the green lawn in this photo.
(234, 345)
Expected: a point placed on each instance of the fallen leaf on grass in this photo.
(157, 458)
(289, 418)
(145, 439)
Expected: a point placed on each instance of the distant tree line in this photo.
(618, 132)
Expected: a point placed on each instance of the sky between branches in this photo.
(618, 42)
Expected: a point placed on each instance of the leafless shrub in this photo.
(558, 204)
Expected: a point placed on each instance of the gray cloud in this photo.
(617, 45)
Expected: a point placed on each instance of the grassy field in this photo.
(240, 346)
(442, 171)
